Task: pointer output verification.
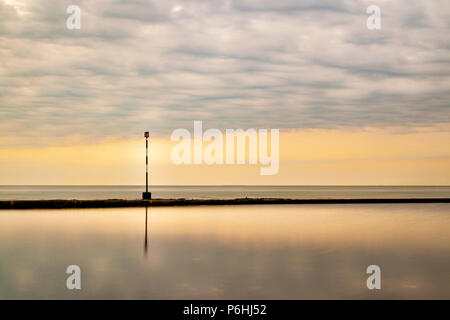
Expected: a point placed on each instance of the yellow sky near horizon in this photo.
(311, 157)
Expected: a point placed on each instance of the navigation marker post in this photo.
(146, 195)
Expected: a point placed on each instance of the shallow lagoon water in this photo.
(227, 252)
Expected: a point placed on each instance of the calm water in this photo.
(133, 192)
(233, 252)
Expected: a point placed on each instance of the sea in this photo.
(221, 192)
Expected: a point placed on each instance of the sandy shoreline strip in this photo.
(117, 203)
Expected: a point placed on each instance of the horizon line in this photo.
(224, 185)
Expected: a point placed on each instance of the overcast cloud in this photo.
(159, 65)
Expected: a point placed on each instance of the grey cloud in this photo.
(159, 65)
(343, 6)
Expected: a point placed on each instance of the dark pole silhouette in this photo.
(146, 195)
(146, 164)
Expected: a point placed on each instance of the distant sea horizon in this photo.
(46, 192)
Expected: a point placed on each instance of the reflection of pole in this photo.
(145, 241)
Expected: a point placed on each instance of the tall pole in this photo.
(146, 164)
(146, 195)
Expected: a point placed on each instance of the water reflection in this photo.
(227, 252)
(146, 231)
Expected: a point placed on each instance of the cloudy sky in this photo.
(301, 66)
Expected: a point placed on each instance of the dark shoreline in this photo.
(121, 203)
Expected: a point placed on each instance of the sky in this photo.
(353, 105)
